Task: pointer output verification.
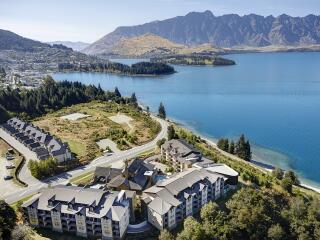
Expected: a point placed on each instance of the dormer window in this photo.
(70, 206)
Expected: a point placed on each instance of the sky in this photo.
(89, 20)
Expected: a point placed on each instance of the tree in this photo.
(192, 230)
(275, 232)
(231, 147)
(162, 111)
(117, 92)
(243, 148)
(165, 235)
(21, 232)
(7, 220)
(209, 212)
(278, 173)
(286, 184)
(161, 142)
(223, 144)
(293, 177)
(171, 133)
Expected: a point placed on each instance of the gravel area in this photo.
(74, 116)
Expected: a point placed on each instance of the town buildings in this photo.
(171, 200)
(42, 143)
(181, 154)
(83, 211)
(136, 175)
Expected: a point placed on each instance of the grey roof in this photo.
(180, 185)
(182, 151)
(107, 173)
(120, 180)
(104, 203)
(35, 137)
(159, 205)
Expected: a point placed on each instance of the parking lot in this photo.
(7, 186)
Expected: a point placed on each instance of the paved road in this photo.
(25, 174)
(101, 161)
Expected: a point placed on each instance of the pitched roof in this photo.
(159, 205)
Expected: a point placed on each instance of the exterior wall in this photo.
(81, 225)
(189, 211)
(106, 227)
(204, 195)
(33, 216)
(217, 189)
(172, 218)
(56, 221)
(155, 219)
(124, 222)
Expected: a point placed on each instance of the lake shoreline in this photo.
(262, 166)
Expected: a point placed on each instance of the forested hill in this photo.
(140, 68)
(229, 30)
(51, 96)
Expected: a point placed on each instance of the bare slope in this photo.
(148, 45)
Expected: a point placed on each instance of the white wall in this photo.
(124, 222)
(81, 225)
(106, 227)
(189, 206)
(155, 219)
(172, 217)
(33, 216)
(56, 221)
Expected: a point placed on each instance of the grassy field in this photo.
(82, 134)
(82, 179)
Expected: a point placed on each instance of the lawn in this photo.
(82, 179)
(82, 134)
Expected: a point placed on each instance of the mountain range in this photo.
(229, 30)
(76, 46)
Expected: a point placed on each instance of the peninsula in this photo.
(194, 59)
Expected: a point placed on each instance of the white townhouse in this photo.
(171, 200)
(86, 212)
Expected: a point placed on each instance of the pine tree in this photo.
(162, 111)
(171, 133)
(231, 147)
(117, 92)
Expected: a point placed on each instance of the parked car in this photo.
(9, 157)
(10, 151)
(7, 177)
(10, 166)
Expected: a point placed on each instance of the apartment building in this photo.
(171, 200)
(83, 211)
(181, 154)
(37, 140)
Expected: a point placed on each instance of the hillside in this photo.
(230, 30)
(12, 41)
(149, 45)
(76, 46)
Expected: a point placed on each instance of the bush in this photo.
(7, 220)
(161, 142)
(43, 168)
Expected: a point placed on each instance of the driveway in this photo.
(25, 174)
(101, 161)
(7, 186)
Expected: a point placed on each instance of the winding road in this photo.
(35, 186)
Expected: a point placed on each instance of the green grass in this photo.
(16, 204)
(82, 179)
(77, 147)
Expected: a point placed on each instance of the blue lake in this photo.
(273, 98)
